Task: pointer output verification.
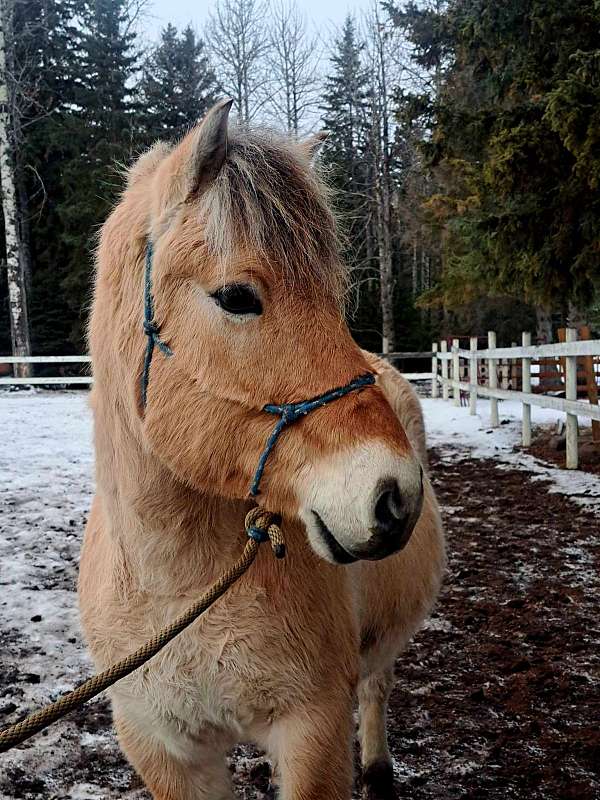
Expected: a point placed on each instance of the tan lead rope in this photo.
(260, 525)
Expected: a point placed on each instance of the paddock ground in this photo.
(498, 697)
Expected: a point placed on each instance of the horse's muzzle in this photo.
(364, 506)
(394, 520)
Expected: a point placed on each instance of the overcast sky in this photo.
(325, 14)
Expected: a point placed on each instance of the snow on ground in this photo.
(46, 483)
(454, 431)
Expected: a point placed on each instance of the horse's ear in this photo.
(209, 146)
(312, 146)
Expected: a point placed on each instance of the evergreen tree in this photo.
(514, 145)
(178, 84)
(345, 110)
(45, 54)
(345, 105)
(101, 134)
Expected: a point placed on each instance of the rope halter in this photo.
(288, 413)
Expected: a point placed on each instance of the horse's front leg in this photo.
(177, 766)
(378, 773)
(312, 750)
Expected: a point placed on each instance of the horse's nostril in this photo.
(388, 510)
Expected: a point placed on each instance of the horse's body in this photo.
(278, 659)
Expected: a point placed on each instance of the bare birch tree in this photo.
(238, 38)
(293, 66)
(378, 44)
(15, 266)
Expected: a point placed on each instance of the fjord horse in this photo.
(245, 307)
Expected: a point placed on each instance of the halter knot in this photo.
(150, 328)
(264, 526)
(288, 413)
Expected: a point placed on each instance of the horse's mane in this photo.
(269, 199)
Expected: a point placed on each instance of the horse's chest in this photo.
(217, 675)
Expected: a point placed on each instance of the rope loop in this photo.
(264, 526)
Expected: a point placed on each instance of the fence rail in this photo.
(45, 360)
(64, 380)
(566, 354)
(446, 373)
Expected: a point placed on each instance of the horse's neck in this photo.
(167, 537)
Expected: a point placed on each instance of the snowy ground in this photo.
(454, 432)
(46, 479)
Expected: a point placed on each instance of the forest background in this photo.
(464, 151)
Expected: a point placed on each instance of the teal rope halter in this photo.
(151, 329)
(288, 413)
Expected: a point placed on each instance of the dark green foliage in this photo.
(84, 114)
(47, 55)
(101, 132)
(177, 87)
(513, 145)
(346, 119)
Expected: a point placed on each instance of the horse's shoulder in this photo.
(403, 400)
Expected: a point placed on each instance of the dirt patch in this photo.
(544, 447)
(498, 697)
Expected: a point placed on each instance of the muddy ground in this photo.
(499, 697)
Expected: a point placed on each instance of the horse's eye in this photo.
(238, 298)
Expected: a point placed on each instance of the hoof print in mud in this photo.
(378, 782)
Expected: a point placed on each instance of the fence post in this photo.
(526, 386)
(434, 370)
(571, 394)
(493, 380)
(473, 377)
(445, 387)
(456, 370)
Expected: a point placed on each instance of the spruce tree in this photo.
(514, 145)
(102, 134)
(45, 57)
(178, 85)
(345, 113)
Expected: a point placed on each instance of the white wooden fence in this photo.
(448, 363)
(45, 381)
(445, 373)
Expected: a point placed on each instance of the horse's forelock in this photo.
(270, 201)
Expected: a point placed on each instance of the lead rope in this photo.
(261, 526)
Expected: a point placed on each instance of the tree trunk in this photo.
(415, 267)
(24, 227)
(576, 318)
(384, 200)
(17, 284)
(543, 315)
(386, 278)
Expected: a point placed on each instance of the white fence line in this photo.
(45, 381)
(448, 359)
(584, 347)
(577, 408)
(569, 351)
(45, 360)
(66, 380)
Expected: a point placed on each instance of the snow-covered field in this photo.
(46, 483)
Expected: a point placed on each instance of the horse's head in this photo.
(247, 290)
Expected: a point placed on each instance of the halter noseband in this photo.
(288, 413)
